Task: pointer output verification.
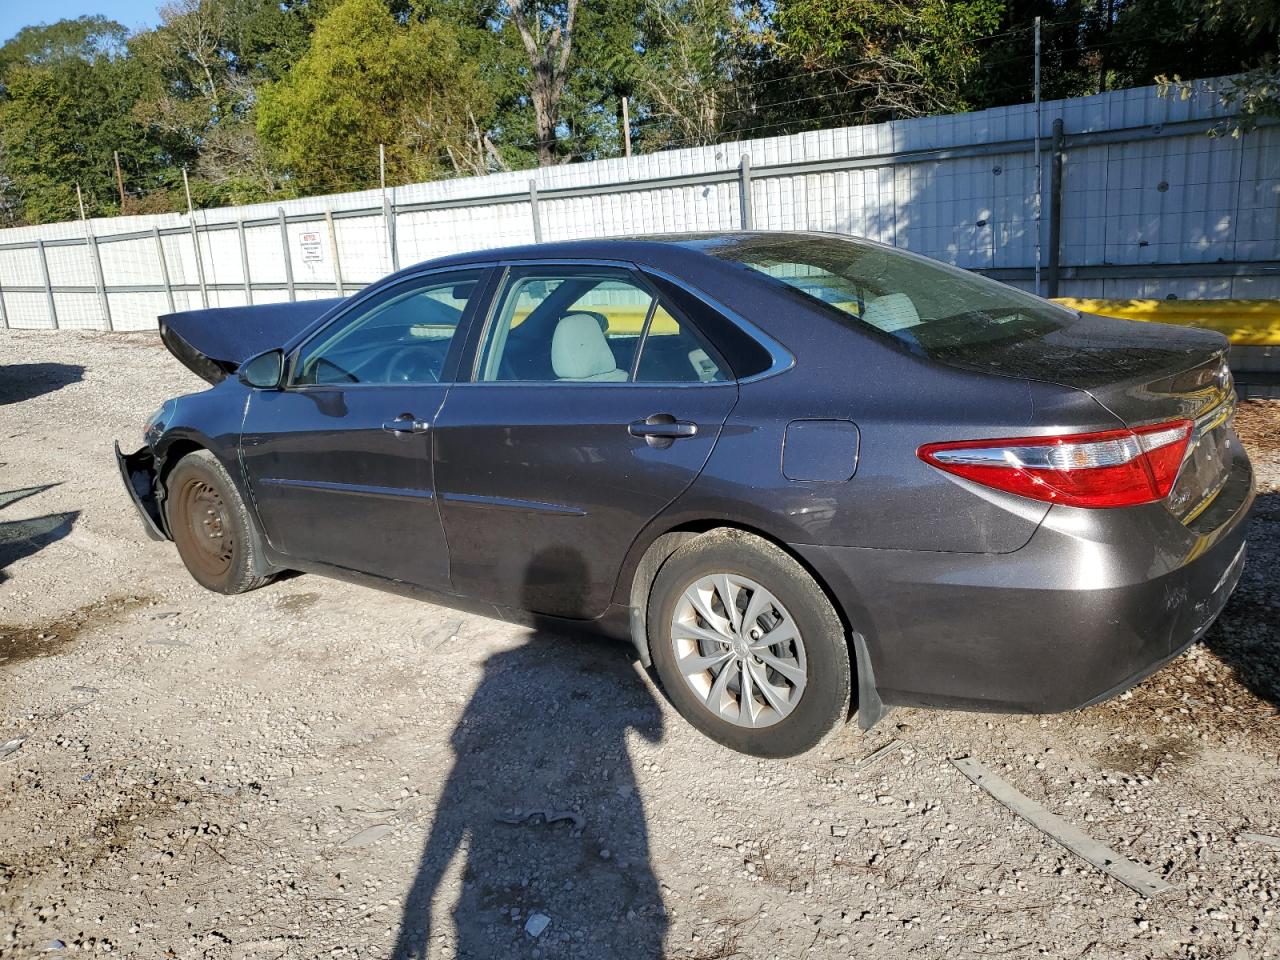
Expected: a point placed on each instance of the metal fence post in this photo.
(744, 192)
(244, 263)
(337, 259)
(533, 207)
(389, 218)
(195, 245)
(4, 312)
(1053, 268)
(164, 269)
(98, 276)
(48, 284)
(288, 257)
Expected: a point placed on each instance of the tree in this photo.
(204, 64)
(867, 60)
(84, 38)
(1224, 36)
(689, 77)
(369, 79)
(59, 125)
(546, 31)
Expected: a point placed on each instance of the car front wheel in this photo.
(747, 646)
(211, 527)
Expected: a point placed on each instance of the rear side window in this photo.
(675, 353)
(591, 325)
(740, 353)
(578, 327)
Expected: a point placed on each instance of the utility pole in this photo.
(195, 242)
(1037, 155)
(119, 178)
(626, 128)
(80, 201)
(382, 168)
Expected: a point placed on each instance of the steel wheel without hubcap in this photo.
(739, 650)
(208, 528)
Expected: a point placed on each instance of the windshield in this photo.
(933, 307)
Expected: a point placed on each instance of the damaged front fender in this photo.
(138, 470)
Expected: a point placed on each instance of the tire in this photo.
(216, 538)
(798, 705)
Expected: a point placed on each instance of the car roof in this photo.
(669, 251)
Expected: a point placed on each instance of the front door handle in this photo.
(662, 429)
(406, 423)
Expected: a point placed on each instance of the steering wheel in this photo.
(405, 366)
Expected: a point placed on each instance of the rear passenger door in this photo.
(591, 405)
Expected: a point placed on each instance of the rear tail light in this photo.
(1114, 468)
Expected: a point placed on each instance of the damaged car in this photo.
(804, 475)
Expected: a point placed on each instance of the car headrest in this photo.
(890, 312)
(579, 350)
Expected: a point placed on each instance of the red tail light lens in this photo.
(1114, 468)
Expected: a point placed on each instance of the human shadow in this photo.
(543, 804)
(1247, 634)
(21, 538)
(25, 381)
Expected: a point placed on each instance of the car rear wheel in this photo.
(211, 527)
(747, 646)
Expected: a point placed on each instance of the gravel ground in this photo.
(319, 769)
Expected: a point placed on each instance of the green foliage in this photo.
(59, 124)
(84, 38)
(884, 58)
(262, 99)
(368, 80)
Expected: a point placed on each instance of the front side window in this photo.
(591, 326)
(401, 336)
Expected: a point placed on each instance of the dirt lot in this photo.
(318, 769)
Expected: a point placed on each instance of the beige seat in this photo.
(891, 312)
(579, 351)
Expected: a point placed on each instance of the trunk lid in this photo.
(1143, 373)
(213, 343)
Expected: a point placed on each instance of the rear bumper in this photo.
(138, 472)
(1096, 601)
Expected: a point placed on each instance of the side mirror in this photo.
(263, 371)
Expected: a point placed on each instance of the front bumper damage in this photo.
(138, 471)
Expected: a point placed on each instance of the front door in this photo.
(339, 461)
(591, 407)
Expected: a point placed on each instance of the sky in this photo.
(16, 14)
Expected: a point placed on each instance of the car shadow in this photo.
(542, 805)
(25, 381)
(1247, 635)
(21, 538)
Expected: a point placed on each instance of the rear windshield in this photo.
(930, 306)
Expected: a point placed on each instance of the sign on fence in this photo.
(312, 247)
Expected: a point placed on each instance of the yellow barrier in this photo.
(1254, 323)
(1244, 322)
(624, 319)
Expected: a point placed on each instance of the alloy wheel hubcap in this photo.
(739, 650)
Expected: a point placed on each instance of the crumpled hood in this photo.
(213, 343)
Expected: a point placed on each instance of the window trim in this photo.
(637, 275)
(484, 275)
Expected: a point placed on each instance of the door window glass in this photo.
(674, 353)
(566, 328)
(401, 336)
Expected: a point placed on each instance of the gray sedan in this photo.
(802, 474)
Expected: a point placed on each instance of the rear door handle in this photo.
(661, 429)
(406, 423)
